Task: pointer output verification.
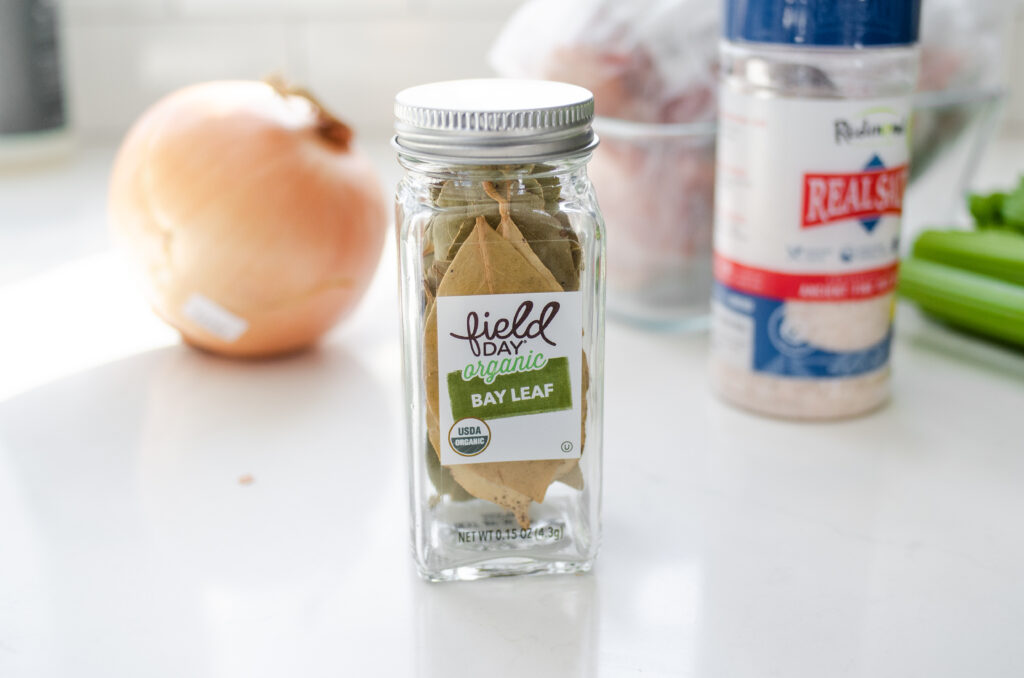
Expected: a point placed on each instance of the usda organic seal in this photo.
(469, 437)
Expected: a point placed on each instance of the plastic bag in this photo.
(644, 60)
(656, 61)
(648, 61)
(962, 43)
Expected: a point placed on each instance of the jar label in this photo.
(510, 376)
(809, 195)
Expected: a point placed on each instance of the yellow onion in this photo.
(256, 223)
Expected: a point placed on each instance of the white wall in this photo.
(355, 54)
(122, 55)
(1014, 120)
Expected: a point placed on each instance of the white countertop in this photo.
(734, 546)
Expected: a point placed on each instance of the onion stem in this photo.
(329, 127)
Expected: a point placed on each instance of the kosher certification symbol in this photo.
(469, 437)
(567, 446)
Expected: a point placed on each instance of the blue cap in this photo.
(824, 23)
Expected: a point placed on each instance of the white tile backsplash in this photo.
(1014, 113)
(98, 11)
(301, 9)
(117, 70)
(124, 54)
(358, 66)
(497, 10)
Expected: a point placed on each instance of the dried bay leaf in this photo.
(464, 230)
(522, 243)
(508, 230)
(546, 238)
(573, 476)
(428, 299)
(430, 360)
(585, 389)
(441, 477)
(487, 263)
(570, 473)
(483, 487)
(435, 190)
(529, 479)
(576, 250)
(450, 228)
(550, 238)
(526, 194)
(574, 242)
(461, 205)
(534, 188)
(432, 276)
(551, 190)
(461, 194)
(445, 228)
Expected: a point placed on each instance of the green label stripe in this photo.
(548, 389)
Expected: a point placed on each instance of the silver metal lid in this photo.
(494, 120)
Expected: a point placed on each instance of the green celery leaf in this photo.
(987, 210)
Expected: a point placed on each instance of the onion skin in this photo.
(236, 191)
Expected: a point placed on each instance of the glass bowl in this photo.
(656, 184)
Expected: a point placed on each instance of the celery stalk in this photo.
(985, 305)
(995, 253)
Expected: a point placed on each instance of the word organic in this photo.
(495, 368)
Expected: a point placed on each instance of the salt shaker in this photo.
(813, 149)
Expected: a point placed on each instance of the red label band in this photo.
(829, 198)
(805, 287)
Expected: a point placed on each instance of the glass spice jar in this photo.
(501, 250)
